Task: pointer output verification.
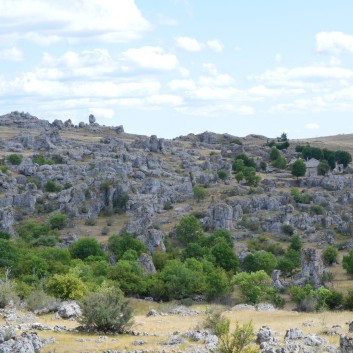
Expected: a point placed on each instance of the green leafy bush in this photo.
(57, 220)
(119, 244)
(51, 186)
(188, 230)
(41, 160)
(85, 247)
(200, 193)
(106, 310)
(14, 159)
(67, 286)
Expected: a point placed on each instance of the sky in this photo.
(173, 67)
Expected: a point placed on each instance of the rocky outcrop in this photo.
(69, 309)
(312, 267)
(221, 216)
(145, 261)
(28, 342)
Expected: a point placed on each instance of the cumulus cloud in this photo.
(334, 42)
(47, 22)
(312, 126)
(215, 45)
(278, 58)
(11, 54)
(294, 77)
(189, 44)
(149, 57)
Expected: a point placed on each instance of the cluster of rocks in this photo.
(180, 310)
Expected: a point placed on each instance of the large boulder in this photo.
(145, 261)
(69, 309)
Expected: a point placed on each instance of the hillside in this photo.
(74, 182)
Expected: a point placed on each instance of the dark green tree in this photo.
(298, 168)
(323, 168)
(85, 247)
(188, 230)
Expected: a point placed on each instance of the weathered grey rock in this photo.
(346, 344)
(293, 334)
(154, 240)
(7, 219)
(58, 124)
(145, 261)
(244, 307)
(312, 267)
(221, 216)
(313, 340)
(119, 129)
(27, 167)
(69, 309)
(277, 282)
(26, 343)
(265, 334)
(81, 124)
(91, 119)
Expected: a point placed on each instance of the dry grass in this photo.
(160, 328)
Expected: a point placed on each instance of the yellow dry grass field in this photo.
(160, 328)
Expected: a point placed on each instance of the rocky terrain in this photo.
(143, 185)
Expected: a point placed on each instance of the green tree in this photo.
(261, 260)
(298, 168)
(343, 157)
(347, 262)
(255, 287)
(200, 193)
(248, 162)
(280, 163)
(106, 310)
(222, 174)
(323, 168)
(9, 255)
(275, 153)
(295, 243)
(85, 247)
(67, 286)
(188, 230)
(119, 244)
(225, 256)
(239, 176)
(330, 255)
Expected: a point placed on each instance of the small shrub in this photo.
(222, 174)
(106, 310)
(317, 210)
(90, 222)
(6, 294)
(213, 318)
(41, 160)
(120, 203)
(14, 159)
(200, 193)
(38, 300)
(51, 186)
(57, 220)
(105, 230)
(330, 255)
(4, 169)
(287, 229)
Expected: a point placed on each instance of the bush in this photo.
(6, 294)
(106, 310)
(14, 159)
(316, 210)
(222, 174)
(188, 230)
(66, 287)
(39, 300)
(213, 318)
(237, 341)
(51, 186)
(85, 247)
(5, 235)
(8, 253)
(347, 262)
(4, 169)
(57, 220)
(287, 229)
(200, 193)
(120, 203)
(90, 222)
(41, 160)
(120, 244)
(330, 255)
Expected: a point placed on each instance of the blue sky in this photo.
(171, 67)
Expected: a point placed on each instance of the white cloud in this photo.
(296, 76)
(189, 44)
(278, 57)
(215, 45)
(11, 54)
(152, 58)
(312, 126)
(186, 85)
(334, 42)
(105, 113)
(46, 22)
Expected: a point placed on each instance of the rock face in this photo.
(145, 261)
(221, 216)
(312, 267)
(26, 343)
